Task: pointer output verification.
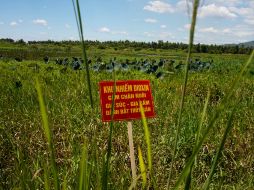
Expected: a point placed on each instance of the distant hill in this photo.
(247, 44)
(244, 44)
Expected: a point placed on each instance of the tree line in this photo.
(122, 44)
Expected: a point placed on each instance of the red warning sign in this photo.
(129, 94)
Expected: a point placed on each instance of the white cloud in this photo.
(163, 26)
(40, 22)
(104, 29)
(224, 2)
(241, 31)
(242, 34)
(239, 23)
(107, 30)
(216, 11)
(159, 7)
(208, 30)
(241, 10)
(249, 21)
(150, 20)
(13, 23)
(234, 34)
(184, 6)
(247, 13)
(235, 31)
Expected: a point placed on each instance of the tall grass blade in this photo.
(188, 179)
(83, 169)
(46, 178)
(98, 174)
(48, 135)
(148, 144)
(211, 123)
(191, 39)
(147, 138)
(80, 28)
(106, 166)
(76, 17)
(218, 154)
(65, 183)
(142, 168)
(202, 117)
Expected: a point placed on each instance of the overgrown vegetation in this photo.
(52, 139)
(24, 149)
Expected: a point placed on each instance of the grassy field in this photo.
(25, 159)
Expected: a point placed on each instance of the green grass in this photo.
(71, 122)
(48, 135)
(225, 104)
(53, 138)
(218, 153)
(81, 35)
(186, 75)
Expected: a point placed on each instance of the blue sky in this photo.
(219, 21)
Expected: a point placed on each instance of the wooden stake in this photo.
(132, 157)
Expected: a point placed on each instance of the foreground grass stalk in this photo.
(48, 135)
(142, 167)
(191, 39)
(202, 117)
(218, 154)
(189, 177)
(148, 144)
(83, 169)
(147, 138)
(76, 17)
(106, 166)
(46, 178)
(64, 186)
(212, 121)
(80, 28)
